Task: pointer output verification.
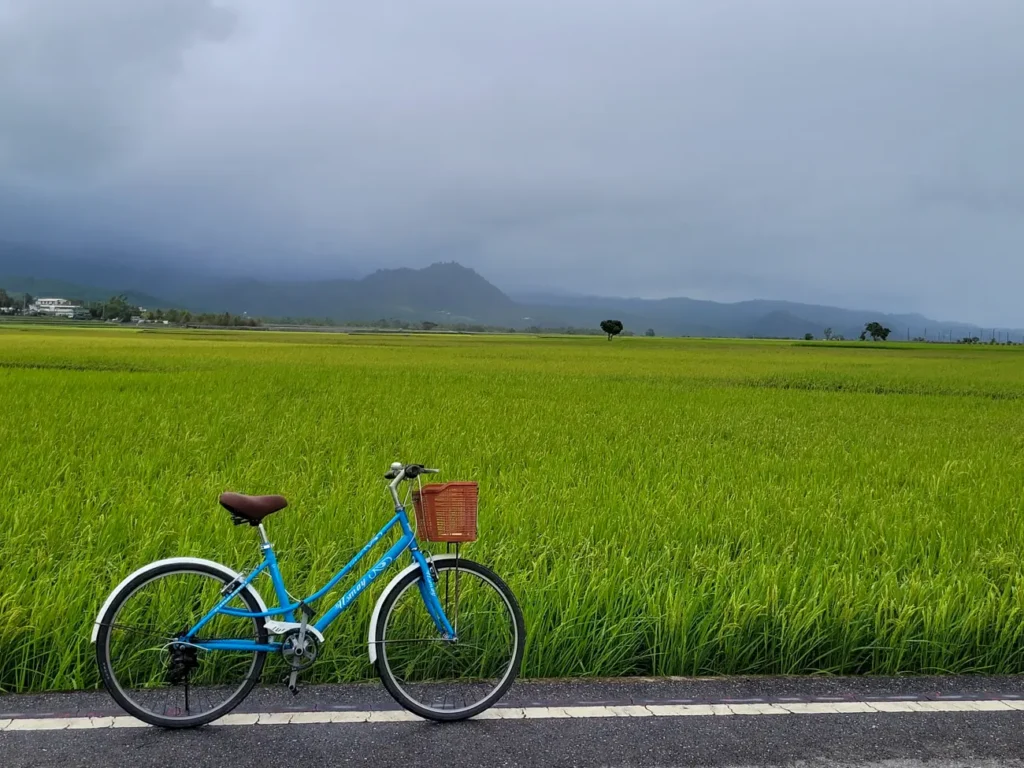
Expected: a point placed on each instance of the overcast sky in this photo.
(867, 153)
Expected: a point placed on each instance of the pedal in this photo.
(293, 682)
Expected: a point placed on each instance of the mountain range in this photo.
(443, 292)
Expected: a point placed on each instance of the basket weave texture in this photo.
(447, 511)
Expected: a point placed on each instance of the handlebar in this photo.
(408, 472)
(401, 472)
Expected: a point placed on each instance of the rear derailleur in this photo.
(183, 659)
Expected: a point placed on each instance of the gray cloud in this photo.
(865, 153)
(80, 81)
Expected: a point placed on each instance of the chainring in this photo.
(296, 656)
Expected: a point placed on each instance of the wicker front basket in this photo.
(447, 511)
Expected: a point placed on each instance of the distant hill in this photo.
(442, 292)
(745, 319)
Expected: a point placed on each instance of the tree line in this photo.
(17, 302)
(185, 317)
(426, 325)
(120, 309)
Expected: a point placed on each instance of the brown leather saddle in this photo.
(251, 509)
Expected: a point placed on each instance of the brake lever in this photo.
(412, 471)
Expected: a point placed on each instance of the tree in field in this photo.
(650, 332)
(116, 308)
(876, 331)
(429, 326)
(612, 327)
(828, 334)
(21, 305)
(808, 337)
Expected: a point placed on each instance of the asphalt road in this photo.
(938, 738)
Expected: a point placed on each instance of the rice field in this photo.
(660, 506)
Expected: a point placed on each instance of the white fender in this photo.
(387, 590)
(175, 561)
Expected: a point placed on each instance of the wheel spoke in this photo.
(415, 640)
(140, 630)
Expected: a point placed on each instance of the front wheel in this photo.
(441, 679)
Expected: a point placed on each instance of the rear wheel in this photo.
(167, 683)
(443, 679)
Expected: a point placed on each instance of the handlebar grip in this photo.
(411, 471)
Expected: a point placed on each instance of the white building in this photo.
(58, 308)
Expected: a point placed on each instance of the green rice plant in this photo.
(660, 506)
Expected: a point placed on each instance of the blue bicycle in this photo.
(181, 642)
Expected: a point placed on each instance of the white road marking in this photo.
(539, 713)
(678, 710)
(278, 718)
(902, 706)
(544, 713)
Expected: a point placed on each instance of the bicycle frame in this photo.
(287, 610)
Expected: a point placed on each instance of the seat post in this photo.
(263, 536)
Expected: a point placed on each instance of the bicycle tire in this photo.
(395, 688)
(104, 661)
